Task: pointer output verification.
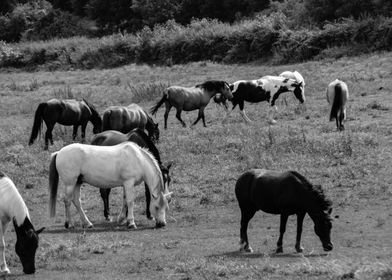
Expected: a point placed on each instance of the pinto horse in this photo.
(191, 98)
(13, 208)
(337, 96)
(138, 136)
(65, 112)
(267, 88)
(124, 164)
(126, 118)
(285, 194)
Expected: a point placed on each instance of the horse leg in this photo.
(168, 108)
(246, 216)
(48, 135)
(282, 229)
(272, 112)
(242, 112)
(300, 220)
(105, 198)
(67, 203)
(341, 118)
(178, 116)
(75, 131)
(129, 189)
(84, 125)
(124, 210)
(3, 265)
(148, 200)
(199, 116)
(76, 202)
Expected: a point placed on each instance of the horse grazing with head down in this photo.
(337, 96)
(65, 112)
(267, 88)
(126, 118)
(285, 194)
(191, 98)
(125, 164)
(138, 136)
(13, 208)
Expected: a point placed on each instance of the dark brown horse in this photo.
(65, 112)
(191, 98)
(111, 138)
(286, 194)
(126, 118)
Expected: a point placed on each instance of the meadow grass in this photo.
(201, 238)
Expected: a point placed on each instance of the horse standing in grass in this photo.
(267, 88)
(125, 164)
(65, 112)
(113, 137)
(126, 118)
(337, 96)
(13, 208)
(285, 194)
(191, 98)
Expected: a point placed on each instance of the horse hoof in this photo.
(131, 226)
(299, 249)
(68, 225)
(90, 225)
(108, 219)
(279, 250)
(246, 250)
(5, 271)
(272, 122)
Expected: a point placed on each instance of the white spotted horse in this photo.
(191, 98)
(126, 118)
(125, 164)
(13, 208)
(267, 88)
(337, 96)
(284, 194)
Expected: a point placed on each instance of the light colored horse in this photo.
(267, 88)
(295, 76)
(13, 208)
(126, 118)
(124, 164)
(191, 98)
(337, 96)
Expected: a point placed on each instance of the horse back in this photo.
(187, 98)
(124, 119)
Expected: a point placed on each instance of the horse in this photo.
(267, 88)
(337, 96)
(298, 77)
(124, 164)
(126, 118)
(138, 136)
(13, 208)
(284, 193)
(191, 98)
(65, 112)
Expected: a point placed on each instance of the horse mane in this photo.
(316, 191)
(92, 107)
(153, 149)
(212, 85)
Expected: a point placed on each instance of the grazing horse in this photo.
(337, 96)
(113, 137)
(124, 164)
(126, 118)
(191, 98)
(13, 208)
(267, 88)
(285, 194)
(65, 112)
(298, 77)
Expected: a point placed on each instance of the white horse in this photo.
(13, 208)
(337, 96)
(267, 88)
(124, 164)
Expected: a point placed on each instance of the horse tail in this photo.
(37, 122)
(53, 185)
(106, 120)
(337, 102)
(155, 108)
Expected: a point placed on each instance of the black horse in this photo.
(138, 136)
(65, 112)
(286, 194)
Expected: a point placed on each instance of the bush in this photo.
(9, 56)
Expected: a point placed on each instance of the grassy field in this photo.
(202, 235)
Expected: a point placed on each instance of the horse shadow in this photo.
(242, 255)
(98, 227)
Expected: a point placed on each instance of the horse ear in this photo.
(40, 230)
(169, 164)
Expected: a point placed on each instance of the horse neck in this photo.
(17, 208)
(152, 174)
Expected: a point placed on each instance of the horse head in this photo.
(299, 91)
(322, 227)
(159, 204)
(26, 245)
(226, 91)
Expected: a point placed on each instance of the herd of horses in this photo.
(121, 153)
